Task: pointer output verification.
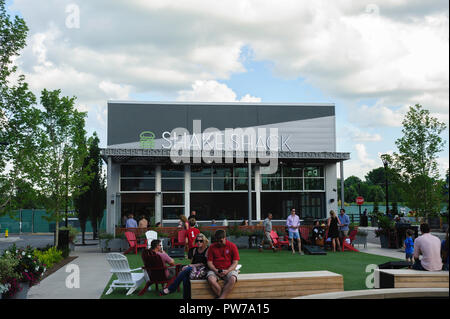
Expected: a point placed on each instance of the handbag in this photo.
(198, 272)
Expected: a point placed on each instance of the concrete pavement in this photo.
(94, 274)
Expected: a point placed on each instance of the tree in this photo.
(91, 203)
(416, 159)
(18, 115)
(375, 194)
(59, 170)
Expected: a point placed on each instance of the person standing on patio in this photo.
(143, 222)
(131, 222)
(223, 257)
(293, 224)
(333, 230)
(344, 220)
(267, 229)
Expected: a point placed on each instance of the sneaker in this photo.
(274, 249)
(301, 253)
(260, 249)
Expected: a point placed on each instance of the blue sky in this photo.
(372, 59)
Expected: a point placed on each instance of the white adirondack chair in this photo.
(125, 277)
(151, 235)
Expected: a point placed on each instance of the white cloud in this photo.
(357, 135)
(212, 91)
(395, 53)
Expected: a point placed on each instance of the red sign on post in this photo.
(359, 200)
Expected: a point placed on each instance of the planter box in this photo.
(360, 240)
(240, 242)
(384, 241)
(115, 244)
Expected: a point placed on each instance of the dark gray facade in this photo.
(143, 178)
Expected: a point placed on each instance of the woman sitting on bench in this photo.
(196, 270)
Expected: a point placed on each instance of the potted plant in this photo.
(385, 228)
(108, 242)
(361, 238)
(29, 269)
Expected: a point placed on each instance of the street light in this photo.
(384, 158)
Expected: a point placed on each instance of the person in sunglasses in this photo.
(197, 269)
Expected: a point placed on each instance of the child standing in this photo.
(409, 246)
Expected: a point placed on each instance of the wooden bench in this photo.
(281, 285)
(408, 278)
(391, 293)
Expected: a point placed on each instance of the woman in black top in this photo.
(333, 230)
(199, 258)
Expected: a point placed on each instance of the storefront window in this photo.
(270, 184)
(137, 185)
(137, 171)
(314, 184)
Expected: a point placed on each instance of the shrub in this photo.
(50, 257)
(7, 273)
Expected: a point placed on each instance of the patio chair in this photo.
(180, 240)
(348, 244)
(151, 235)
(277, 242)
(304, 234)
(134, 243)
(125, 276)
(155, 271)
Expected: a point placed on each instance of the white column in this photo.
(187, 190)
(112, 206)
(158, 195)
(331, 194)
(342, 184)
(258, 192)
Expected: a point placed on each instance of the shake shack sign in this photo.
(211, 139)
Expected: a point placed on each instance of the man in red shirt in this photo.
(223, 257)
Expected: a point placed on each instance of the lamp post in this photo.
(385, 164)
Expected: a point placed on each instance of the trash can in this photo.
(63, 242)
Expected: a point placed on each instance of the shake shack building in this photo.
(223, 160)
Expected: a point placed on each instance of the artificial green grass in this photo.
(352, 265)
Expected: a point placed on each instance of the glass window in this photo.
(137, 171)
(171, 185)
(270, 184)
(223, 184)
(172, 171)
(127, 185)
(314, 184)
(243, 171)
(241, 184)
(222, 172)
(173, 199)
(313, 171)
(232, 206)
(201, 172)
(276, 174)
(172, 212)
(201, 184)
(292, 171)
(293, 184)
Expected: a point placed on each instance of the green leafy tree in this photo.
(18, 116)
(91, 203)
(59, 170)
(376, 194)
(416, 160)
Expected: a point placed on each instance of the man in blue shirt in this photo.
(131, 222)
(345, 221)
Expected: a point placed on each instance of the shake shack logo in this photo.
(147, 139)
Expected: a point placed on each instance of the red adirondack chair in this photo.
(134, 243)
(180, 240)
(349, 246)
(277, 242)
(304, 233)
(156, 271)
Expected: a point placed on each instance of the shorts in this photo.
(294, 235)
(267, 237)
(226, 278)
(409, 255)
